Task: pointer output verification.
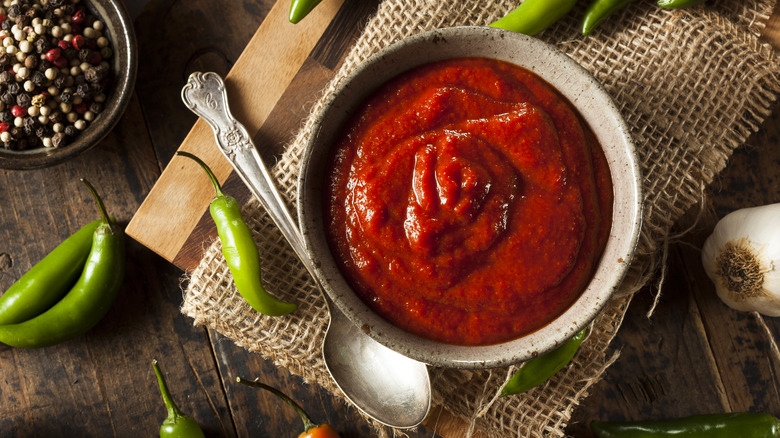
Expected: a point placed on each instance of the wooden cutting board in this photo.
(271, 86)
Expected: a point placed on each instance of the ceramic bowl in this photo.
(574, 82)
(124, 62)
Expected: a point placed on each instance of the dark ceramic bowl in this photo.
(124, 62)
(581, 89)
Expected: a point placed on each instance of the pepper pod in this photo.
(49, 280)
(240, 250)
(177, 424)
(310, 428)
(87, 301)
(538, 370)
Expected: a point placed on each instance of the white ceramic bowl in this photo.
(563, 73)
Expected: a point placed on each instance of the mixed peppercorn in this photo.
(54, 73)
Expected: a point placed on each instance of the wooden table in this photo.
(693, 356)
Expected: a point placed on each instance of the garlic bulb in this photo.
(742, 257)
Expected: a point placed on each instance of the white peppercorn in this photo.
(89, 116)
(45, 110)
(28, 86)
(58, 127)
(89, 32)
(71, 117)
(18, 122)
(5, 136)
(65, 107)
(47, 142)
(23, 73)
(43, 120)
(25, 46)
(80, 124)
(11, 50)
(57, 32)
(75, 70)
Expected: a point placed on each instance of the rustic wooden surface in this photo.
(693, 356)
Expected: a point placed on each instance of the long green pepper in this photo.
(87, 301)
(678, 4)
(598, 11)
(533, 16)
(538, 370)
(49, 279)
(728, 425)
(240, 250)
(301, 8)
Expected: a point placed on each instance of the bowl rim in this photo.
(576, 84)
(124, 41)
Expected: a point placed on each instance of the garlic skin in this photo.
(742, 258)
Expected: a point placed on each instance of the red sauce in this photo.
(468, 202)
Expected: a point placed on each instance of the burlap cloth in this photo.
(691, 84)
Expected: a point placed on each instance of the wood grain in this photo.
(258, 79)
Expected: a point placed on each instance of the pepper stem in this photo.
(307, 423)
(95, 195)
(205, 167)
(173, 410)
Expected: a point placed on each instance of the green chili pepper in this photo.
(678, 4)
(729, 425)
(598, 11)
(533, 16)
(536, 371)
(49, 280)
(87, 301)
(177, 424)
(240, 250)
(301, 8)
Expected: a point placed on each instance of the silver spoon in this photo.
(385, 385)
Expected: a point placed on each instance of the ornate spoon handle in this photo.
(204, 94)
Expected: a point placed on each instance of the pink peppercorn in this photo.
(53, 54)
(64, 45)
(96, 58)
(4, 126)
(18, 111)
(79, 42)
(60, 62)
(78, 18)
(81, 108)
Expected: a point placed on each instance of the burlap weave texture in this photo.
(692, 86)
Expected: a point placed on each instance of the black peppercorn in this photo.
(42, 131)
(8, 98)
(11, 144)
(14, 88)
(14, 10)
(59, 81)
(5, 60)
(70, 53)
(23, 100)
(5, 77)
(42, 45)
(96, 107)
(58, 140)
(83, 91)
(38, 78)
(55, 117)
(6, 25)
(79, 79)
(66, 96)
(85, 55)
(6, 117)
(71, 131)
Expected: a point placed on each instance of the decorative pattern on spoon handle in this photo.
(205, 95)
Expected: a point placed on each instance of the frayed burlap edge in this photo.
(691, 84)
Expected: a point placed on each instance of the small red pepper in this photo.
(311, 429)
